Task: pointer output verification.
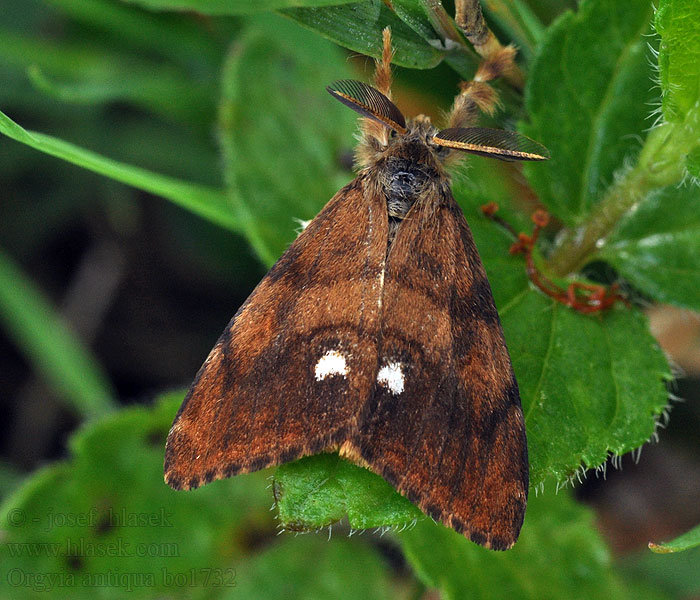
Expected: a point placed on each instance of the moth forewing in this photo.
(290, 373)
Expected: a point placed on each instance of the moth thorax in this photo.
(404, 181)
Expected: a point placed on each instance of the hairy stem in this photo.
(470, 21)
(661, 163)
(578, 245)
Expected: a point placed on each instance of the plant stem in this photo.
(442, 23)
(579, 244)
(484, 42)
(661, 163)
(519, 20)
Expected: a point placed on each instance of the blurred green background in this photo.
(112, 297)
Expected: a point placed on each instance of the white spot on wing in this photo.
(391, 377)
(331, 363)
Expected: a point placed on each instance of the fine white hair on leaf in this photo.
(637, 454)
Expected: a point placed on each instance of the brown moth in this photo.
(376, 334)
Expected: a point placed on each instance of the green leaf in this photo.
(559, 555)
(281, 133)
(10, 479)
(690, 539)
(21, 51)
(677, 574)
(40, 333)
(359, 26)
(230, 7)
(675, 150)
(590, 384)
(104, 519)
(518, 20)
(176, 36)
(106, 511)
(311, 568)
(320, 490)
(205, 202)
(578, 100)
(657, 246)
(437, 29)
(679, 57)
(161, 90)
(81, 74)
(693, 164)
(412, 12)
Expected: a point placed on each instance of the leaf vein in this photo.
(597, 118)
(550, 345)
(512, 302)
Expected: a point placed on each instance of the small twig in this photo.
(582, 297)
(490, 211)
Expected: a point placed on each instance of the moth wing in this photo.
(291, 371)
(444, 424)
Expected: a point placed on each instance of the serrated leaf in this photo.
(679, 56)
(578, 93)
(590, 386)
(690, 539)
(107, 510)
(657, 246)
(559, 555)
(320, 490)
(280, 131)
(359, 27)
(230, 7)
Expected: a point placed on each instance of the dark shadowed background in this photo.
(147, 287)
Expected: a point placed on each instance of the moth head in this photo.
(419, 136)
